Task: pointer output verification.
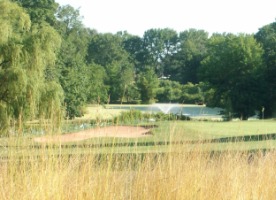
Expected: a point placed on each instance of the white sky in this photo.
(137, 16)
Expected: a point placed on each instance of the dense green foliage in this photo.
(148, 85)
(267, 38)
(27, 51)
(169, 91)
(51, 63)
(234, 67)
(133, 117)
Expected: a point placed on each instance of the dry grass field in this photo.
(187, 175)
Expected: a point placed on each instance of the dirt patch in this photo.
(111, 131)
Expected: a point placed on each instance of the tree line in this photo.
(51, 65)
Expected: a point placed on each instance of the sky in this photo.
(213, 16)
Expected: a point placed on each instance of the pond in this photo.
(195, 111)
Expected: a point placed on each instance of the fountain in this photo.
(165, 107)
(186, 110)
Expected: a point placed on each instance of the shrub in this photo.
(136, 116)
(131, 116)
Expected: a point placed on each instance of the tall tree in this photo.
(159, 44)
(97, 89)
(74, 73)
(267, 37)
(135, 48)
(40, 10)
(183, 66)
(234, 68)
(148, 84)
(68, 20)
(26, 51)
(107, 50)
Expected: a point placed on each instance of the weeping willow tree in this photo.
(27, 51)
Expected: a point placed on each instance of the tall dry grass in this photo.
(188, 175)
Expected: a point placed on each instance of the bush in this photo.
(131, 116)
(169, 91)
(136, 116)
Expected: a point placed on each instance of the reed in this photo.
(195, 174)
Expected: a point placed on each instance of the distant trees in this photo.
(194, 93)
(50, 62)
(158, 45)
(73, 70)
(234, 68)
(169, 91)
(267, 37)
(184, 64)
(148, 85)
(40, 11)
(107, 50)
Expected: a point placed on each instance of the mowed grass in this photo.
(181, 135)
(228, 129)
(165, 134)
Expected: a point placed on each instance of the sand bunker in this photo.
(111, 131)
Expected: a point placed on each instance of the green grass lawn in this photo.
(210, 130)
(167, 136)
